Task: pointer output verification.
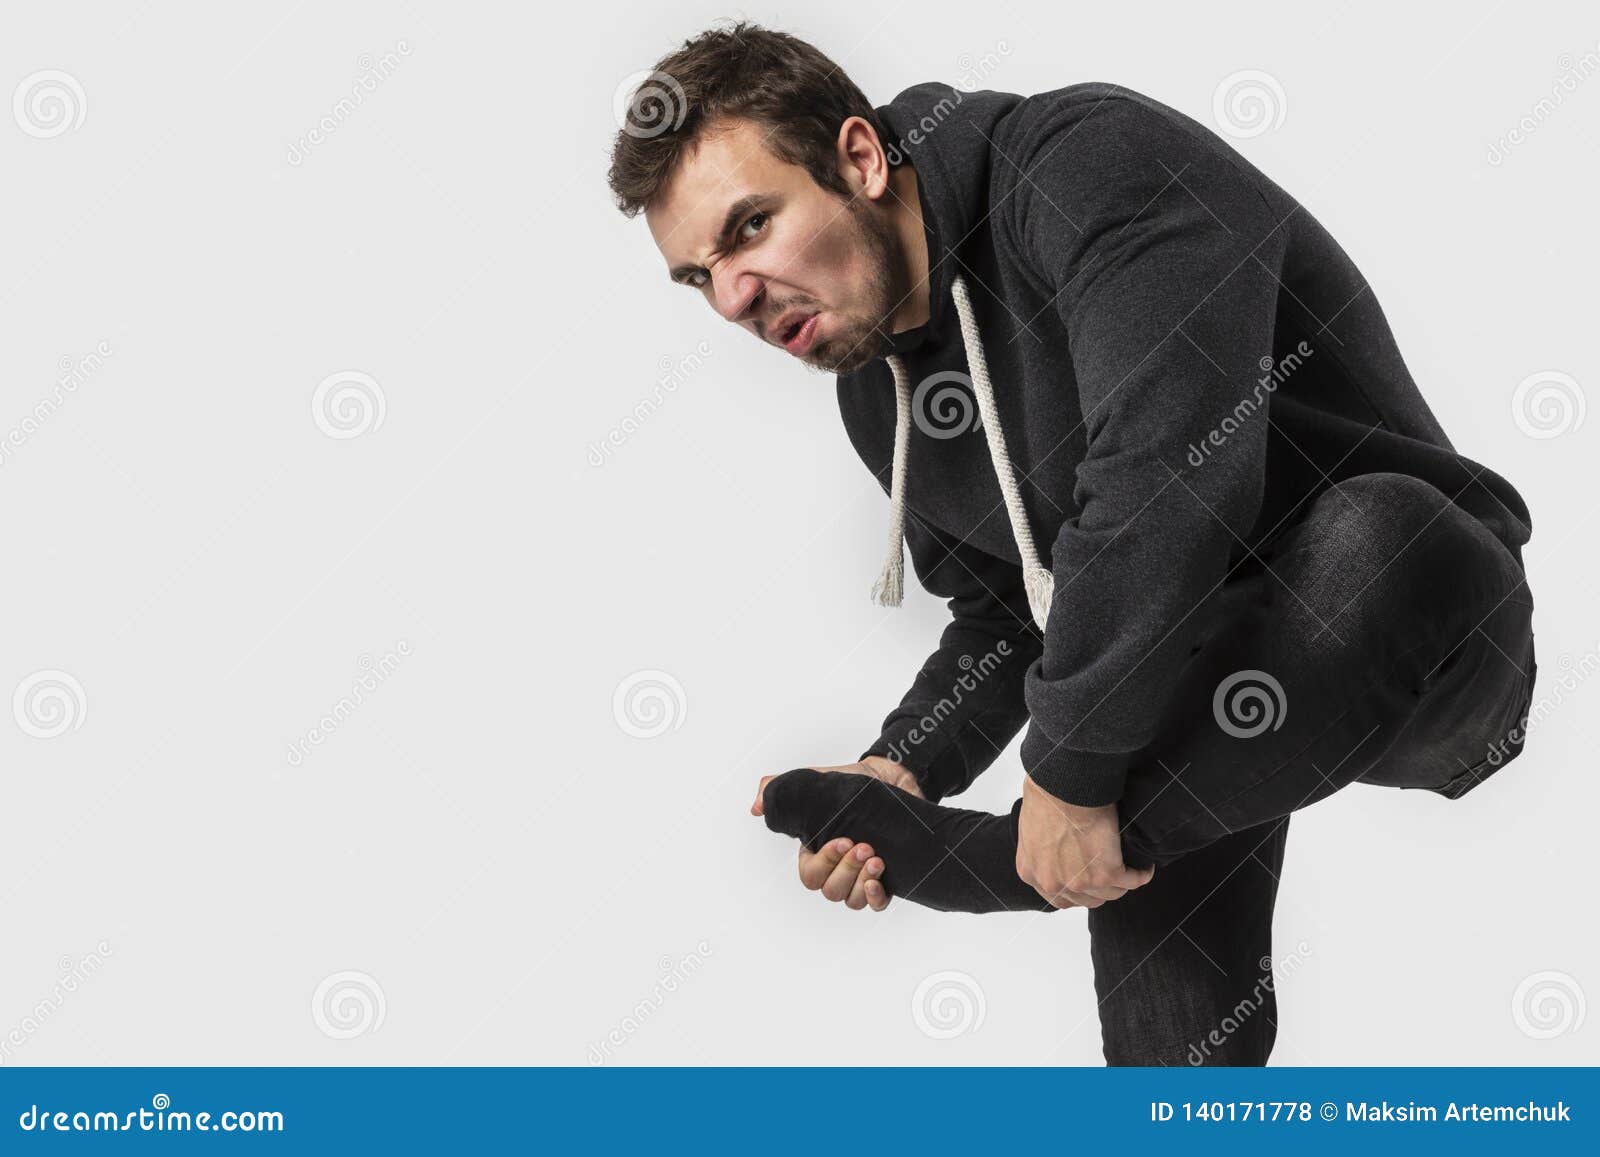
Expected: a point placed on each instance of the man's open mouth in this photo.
(798, 336)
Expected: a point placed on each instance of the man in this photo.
(1199, 531)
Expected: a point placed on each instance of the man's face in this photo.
(800, 267)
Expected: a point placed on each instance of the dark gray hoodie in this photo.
(1178, 357)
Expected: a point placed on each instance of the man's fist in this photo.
(1071, 855)
(842, 869)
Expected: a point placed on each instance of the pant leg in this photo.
(1183, 966)
(1385, 638)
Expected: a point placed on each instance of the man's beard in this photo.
(862, 336)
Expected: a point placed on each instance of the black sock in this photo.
(940, 857)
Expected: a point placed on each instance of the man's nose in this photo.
(735, 294)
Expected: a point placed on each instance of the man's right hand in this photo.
(843, 869)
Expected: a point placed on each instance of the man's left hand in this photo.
(1071, 855)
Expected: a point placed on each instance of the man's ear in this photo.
(861, 159)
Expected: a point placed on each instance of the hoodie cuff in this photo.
(1083, 778)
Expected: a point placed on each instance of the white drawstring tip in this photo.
(889, 590)
(1041, 588)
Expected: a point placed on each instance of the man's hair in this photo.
(778, 81)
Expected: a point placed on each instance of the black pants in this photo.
(1386, 639)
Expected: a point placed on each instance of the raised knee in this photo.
(1401, 501)
(1389, 522)
(1381, 554)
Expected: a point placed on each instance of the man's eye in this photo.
(751, 227)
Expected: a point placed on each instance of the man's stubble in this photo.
(864, 334)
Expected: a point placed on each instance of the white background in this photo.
(501, 862)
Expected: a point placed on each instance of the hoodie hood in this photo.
(944, 133)
(952, 186)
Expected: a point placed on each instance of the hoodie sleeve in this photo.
(966, 704)
(1160, 257)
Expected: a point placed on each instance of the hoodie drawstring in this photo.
(1036, 579)
(890, 587)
